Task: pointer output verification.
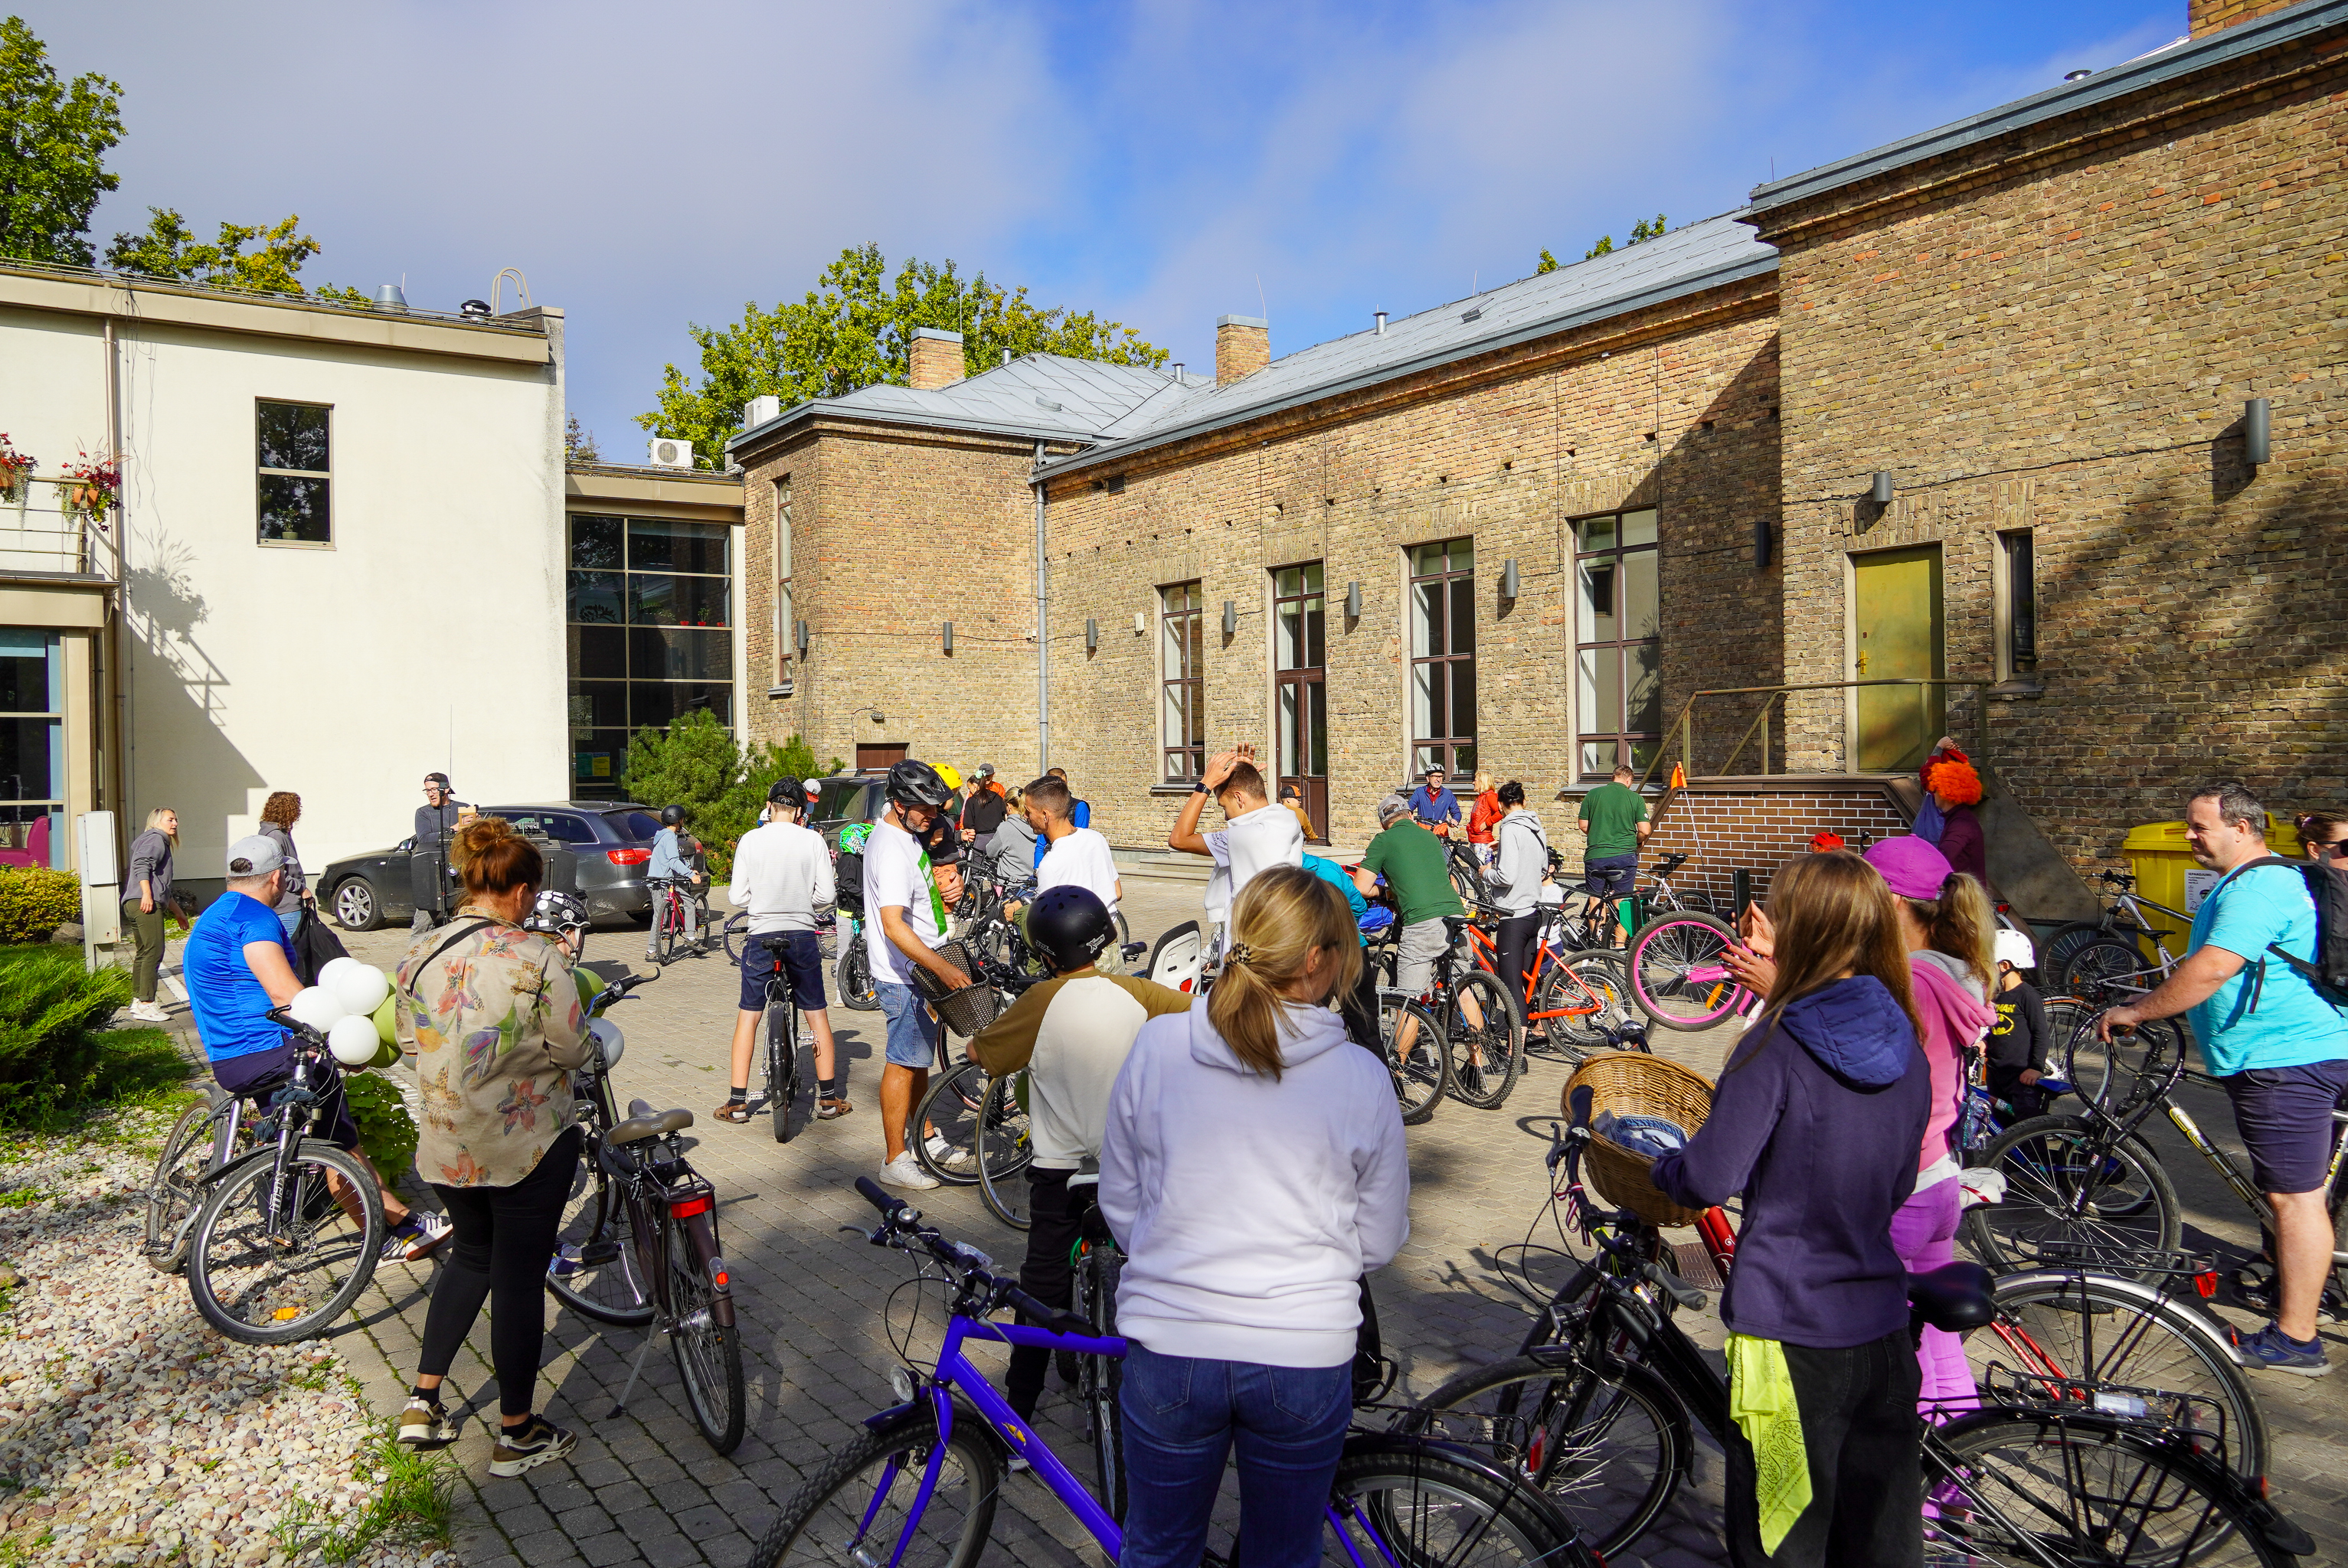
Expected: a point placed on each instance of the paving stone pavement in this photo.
(645, 1488)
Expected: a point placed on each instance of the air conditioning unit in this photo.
(760, 410)
(668, 453)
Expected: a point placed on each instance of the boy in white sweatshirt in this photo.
(782, 875)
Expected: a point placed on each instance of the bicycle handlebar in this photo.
(901, 1226)
(295, 1026)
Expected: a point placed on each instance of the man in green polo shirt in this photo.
(1419, 872)
(1614, 817)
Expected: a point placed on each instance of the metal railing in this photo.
(140, 283)
(1771, 696)
(51, 539)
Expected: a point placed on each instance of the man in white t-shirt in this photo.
(906, 925)
(1256, 834)
(783, 877)
(1075, 856)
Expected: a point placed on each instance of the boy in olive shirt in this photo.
(1614, 817)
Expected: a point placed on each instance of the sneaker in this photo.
(416, 1237)
(2272, 1350)
(424, 1421)
(532, 1444)
(149, 1013)
(832, 1110)
(905, 1172)
(943, 1151)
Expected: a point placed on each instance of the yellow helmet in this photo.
(954, 779)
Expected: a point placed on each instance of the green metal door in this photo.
(1897, 619)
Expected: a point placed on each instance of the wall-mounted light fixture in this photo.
(1140, 622)
(947, 636)
(1881, 494)
(2257, 443)
(1761, 540)
(1508, 580)
(1092, 635)
(1353, 601)
(800, 633)
(1230, 618)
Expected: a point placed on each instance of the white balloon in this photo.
(360, 989)
(333, 967)
(608, 1036)
(354, 1040)
(317, 1006)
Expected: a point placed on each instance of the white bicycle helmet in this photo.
(608, 1039)
(2013, 948)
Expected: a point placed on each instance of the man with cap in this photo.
(239, 966)
(436, 819)
(782, 875)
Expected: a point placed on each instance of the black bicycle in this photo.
(593, 1271)
(778, 1025)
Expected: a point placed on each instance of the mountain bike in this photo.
(677, 905)
(1482, 1028)
(1570, 999)
(921, 1483)
(779, 1029)
(2124, 924)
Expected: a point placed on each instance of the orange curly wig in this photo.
(1956, 780)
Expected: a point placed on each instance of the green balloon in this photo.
(387, 1057)
(386, 1022)
(591, 984)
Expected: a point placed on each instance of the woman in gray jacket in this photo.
(146, 900)
(278, 815)
(1521, 862)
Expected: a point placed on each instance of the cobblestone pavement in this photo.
(645, 1488)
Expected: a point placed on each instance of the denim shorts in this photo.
(800, 959)
(912, 1032)
(2284, 1114)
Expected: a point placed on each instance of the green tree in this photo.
(1549, 263)
(579, 443)
(54, 138)
(855, 329)
(169, 249)
(1640, 233)
(698, 765)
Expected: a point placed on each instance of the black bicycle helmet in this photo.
(672, 816)
(1069, 925)
(915, 783)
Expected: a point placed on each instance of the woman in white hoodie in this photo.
(1519, 864)
(1253, 1166)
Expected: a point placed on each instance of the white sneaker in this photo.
(150, 1012)
(905, 1172)
(945, 1153)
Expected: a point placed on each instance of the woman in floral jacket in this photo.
(492, 1014)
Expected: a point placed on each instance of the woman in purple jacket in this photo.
(1816, 1120)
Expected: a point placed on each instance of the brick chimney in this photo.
(1243, 347)
(937, 359)
(2206, 17)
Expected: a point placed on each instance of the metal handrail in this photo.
(1685, 723)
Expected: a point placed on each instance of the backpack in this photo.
(2327, 885)
(847, 869)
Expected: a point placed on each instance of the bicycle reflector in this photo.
(699, 1204)
(2206, 1282)
(720, 1274)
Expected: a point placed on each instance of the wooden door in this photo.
(878, 759)
(1898, 623)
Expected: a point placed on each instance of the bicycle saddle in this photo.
(1954, 1297)
(1454, 924)
(1669, 864)
(636, 1129)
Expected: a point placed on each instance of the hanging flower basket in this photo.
(14, 467)
(90, 487)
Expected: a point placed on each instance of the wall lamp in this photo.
(1881, 494)
(947, 637)
(800, 633)
(1140, 622)
(2258, 444)
(1508, 580)
(1092, 636)
(1353, 601)
(877, 716)
(1231, 618)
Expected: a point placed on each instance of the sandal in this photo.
(733, 1111)
(832, 1109)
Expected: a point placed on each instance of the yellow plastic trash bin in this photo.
(2166, 874)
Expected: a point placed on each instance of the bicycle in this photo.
(1576, 995)
(780, 1028)
(672, 899)
(921, 1482)
(593, 1271)
(1679, 971)
(1480, 1029)
(2123, 924)
(1598, 1407)
(276, 1252)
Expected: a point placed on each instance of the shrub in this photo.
(697, 765)
(386, 1131)
(54, 1047)
(35, 901)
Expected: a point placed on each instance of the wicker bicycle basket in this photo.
(967, 1010)
(1633, 1084)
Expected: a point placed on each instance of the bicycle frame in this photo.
(1546, 957)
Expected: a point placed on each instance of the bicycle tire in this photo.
(2106, 970)
(782, 1064)
(2056, 951)
(2097, 1489)
(1430, 1509)
(254, 1288)
(1612, 1450)
(853, 974)
(1100, 1380)
(1677, 976)
(708, 1353)
(1467, 876)
(176, 1191)
(951, 1106)
(603, 1280)
(1569, 986)
(2102, 1331)
(1005, 1152)
(1422, 1078)
(2048, 1162)
(2109, 1074)
(866, 1488)
(735, 934)
(1483, 1062)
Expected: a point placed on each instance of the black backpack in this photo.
(2327, 885)
(847, 880)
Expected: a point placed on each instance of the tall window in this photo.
(786, 626)
(1182, 680)
(31, 747)
(2019, 654)
(1299, 655)
(1442, 657)
(296, 480)
(650, 635)
(1619, 660)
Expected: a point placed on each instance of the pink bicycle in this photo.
(1679, 971)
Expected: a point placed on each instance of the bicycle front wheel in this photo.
(1425, 1508)
(2100, 1202)
(1101, 1378)
(595, 1271)
(2109, 1074)
(1679, 976)
(1583, 996)
(1005, 1151)
(949, 1114)
(859, 1506)
(1420, 1065)
(708, 1353)
(854, 975)
(1483, 1057)
(782, 1063)
(273, 1260)
(736, 934)
(177, 1189)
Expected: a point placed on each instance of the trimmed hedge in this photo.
(35, 901)
(54, 1044)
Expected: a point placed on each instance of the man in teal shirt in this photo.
(1614, 818)
(2278, 1048)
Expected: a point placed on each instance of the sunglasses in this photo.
(2337, 847)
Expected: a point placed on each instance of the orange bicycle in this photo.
(1573, 1002)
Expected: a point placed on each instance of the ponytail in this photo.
(1282, 917)
(1962, 924)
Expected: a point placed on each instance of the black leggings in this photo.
(1054, 1228)
(503, 1240)
(1518, 937)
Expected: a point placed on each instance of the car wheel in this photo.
(356, 906)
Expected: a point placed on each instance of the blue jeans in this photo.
(1182, 1417)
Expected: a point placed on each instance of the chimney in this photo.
(2206, 17)
(1243, 347)
(937, 359)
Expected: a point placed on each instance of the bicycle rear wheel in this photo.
(951, 1106)
(2067, 1184)
(2107, 971)
(2056, 951)
(1423, 1073)
(1483, 1059)
(1582, 997)
(595, 1271)
(854, 974)
(856, 1508)
(1678, 974)
(1100, 1378)
(270, 1263)
(1005, 1151)
(708, 1353)
(782, 1063)
(177, 1189)
(1426, 1508)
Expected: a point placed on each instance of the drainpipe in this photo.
(1043, 646)
(117, 675)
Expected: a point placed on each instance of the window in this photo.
(1182, 680)
(2018, 607)
(294, 475)
(650, 635)
(1618, 653)
(31, 747)
(785, 625)
(1442, 657)
(1299, 694)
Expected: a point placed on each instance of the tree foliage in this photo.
(169, 249)
(1547, 264)
(54, 138)
(696, 764)
(855, 329)
(579, 443)
(1640, 233)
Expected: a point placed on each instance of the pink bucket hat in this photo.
(1914, 869)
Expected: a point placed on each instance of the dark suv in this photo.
(613, 839)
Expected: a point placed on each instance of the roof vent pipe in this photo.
(1006, 356)
(1381, 322)
(390, 298)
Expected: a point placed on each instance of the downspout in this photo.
(1043, 646)
(117, 672)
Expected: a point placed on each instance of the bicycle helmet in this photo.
(606, 1034)
(1069, 925)
(555, 913)
(852, 838)
(915, 783)
(952, 778)
(672, 816)
(2013, 948)
(785, 791)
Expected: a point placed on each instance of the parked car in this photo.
(613, 839)
(846, 798)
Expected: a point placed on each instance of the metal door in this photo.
(1897, 621)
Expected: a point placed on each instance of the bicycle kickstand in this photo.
(636, 1367)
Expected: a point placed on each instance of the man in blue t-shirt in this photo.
(1436, 808)
(239, 966)
(2278, 1047)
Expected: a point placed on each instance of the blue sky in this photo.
(1162, 163)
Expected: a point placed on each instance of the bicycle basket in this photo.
(967, 1010)
(1633, 1084)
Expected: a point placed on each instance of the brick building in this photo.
(1976, 407)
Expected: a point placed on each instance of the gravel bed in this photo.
(130, 1431)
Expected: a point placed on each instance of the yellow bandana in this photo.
(1761, 1401)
